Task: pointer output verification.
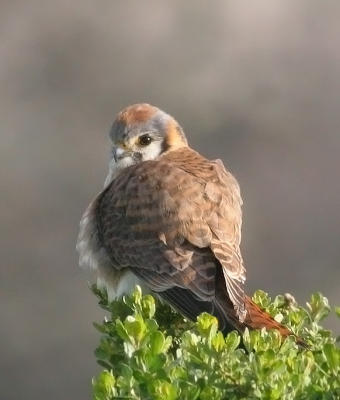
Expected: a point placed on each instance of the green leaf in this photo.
(261, 298)
(162, 390)
(331, 354)
(232, 341)
(268, 356)
(135, 328)
(246, 340)
(167, 343)
(157, 341)
(210, 392)
(104, 364)
(218, 342)
(103, 386)
(148, 306)
(198, 363)
(318, 306)
(278, 367)
(121, 330)
(207, 325)
(100, 327)
(151, 325)
(279, 301)
(125, 371)
(337, 311)
(275, 394)
(137, 295)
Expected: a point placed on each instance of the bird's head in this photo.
(143, 132)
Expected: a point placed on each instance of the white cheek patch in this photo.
(125, 162)
(152, 151)
(115, 167)
(119, 151)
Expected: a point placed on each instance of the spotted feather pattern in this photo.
(174, 222)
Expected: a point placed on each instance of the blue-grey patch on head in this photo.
(122, 131)
(118, 132)
(157, 123)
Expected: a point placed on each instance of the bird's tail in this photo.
(256, 318)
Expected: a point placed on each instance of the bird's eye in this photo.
(144, 140)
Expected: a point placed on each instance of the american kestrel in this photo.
(169, 220)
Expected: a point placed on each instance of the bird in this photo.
(169, 220)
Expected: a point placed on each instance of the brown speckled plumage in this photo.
(174, 221)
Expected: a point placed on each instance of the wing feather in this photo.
(175, 221)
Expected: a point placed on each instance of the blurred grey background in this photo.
(254, 83)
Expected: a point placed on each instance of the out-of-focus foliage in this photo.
(148, 351)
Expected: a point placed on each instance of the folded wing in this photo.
(176, 223)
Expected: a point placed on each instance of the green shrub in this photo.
(148, 351)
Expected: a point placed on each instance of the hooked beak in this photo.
(119, 153)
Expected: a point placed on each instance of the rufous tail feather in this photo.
(257, 318)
